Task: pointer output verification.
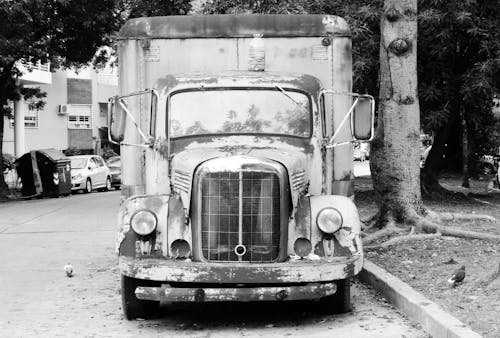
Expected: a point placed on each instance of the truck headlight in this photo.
(143, 222)
(329, 220)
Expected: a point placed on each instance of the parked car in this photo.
(361, 151)
(424, 152)
(115, 168)
(89, 172)
(498, 179)
(488, 164)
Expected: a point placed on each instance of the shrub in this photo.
(8, 161)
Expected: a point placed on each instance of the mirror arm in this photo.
(131, 117)
(136, 145)
(330, 143)
(333, 145)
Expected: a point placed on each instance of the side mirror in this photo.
(361, 113)
(117, 118)
(123, 108)
(362, 118)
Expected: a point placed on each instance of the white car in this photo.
(89, 172)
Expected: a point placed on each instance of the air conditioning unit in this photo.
(63, 109)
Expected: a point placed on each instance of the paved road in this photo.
(362, 168)
(37, 238)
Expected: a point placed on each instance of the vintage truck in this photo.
(237, 171)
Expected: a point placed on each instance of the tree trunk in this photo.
(4, 190)
(396, 147)
(465, 150)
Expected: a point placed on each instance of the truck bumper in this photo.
(214, 282)
(239, 294)
(298, 271)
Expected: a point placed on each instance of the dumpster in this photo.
(44, 172)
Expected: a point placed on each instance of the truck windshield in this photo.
(240, 111)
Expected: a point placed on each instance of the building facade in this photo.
(75, 110)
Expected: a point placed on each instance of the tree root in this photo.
(492, 278)
(404, 238)
(429, 226)
(390, 229)
(451, 216)
(369, 222)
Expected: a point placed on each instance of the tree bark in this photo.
(4, 189)
(465, 150)
(396, 146)
(432, 167)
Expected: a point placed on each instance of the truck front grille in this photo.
(240, 213)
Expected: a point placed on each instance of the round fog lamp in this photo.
(180, 248)
(329, 220)
(143, 222)
(302, 247)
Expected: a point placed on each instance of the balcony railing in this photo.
(30, 66)
(35, 72)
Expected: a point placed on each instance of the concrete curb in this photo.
(431, 316)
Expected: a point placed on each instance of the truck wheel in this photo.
(132, 306)
(88, 186)
(340, 302)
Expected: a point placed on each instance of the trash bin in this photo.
(45, 172)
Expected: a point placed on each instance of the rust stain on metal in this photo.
(303, 218)
(199, 272)
(349, 269)
(242, 294)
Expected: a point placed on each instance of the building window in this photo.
(30, 116)
(80, 116)
(31, 121)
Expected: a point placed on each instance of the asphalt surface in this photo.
(38, 237)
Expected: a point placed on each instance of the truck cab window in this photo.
(240, 111)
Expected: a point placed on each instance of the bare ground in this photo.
(426, 265)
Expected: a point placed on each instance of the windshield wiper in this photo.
(298, 104)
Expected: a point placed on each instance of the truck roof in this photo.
(234, 25)
(303, 82)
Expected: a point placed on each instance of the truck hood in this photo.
(295, 159)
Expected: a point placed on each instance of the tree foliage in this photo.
(255, 6)
(66, 33)
(135, 8)
(459, 73)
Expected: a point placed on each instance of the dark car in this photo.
(115, 168)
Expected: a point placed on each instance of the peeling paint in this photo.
(300, 271)
(167, 293)
(297, 81)
(347, 239)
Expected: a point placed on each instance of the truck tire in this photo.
(132, 306)
(340, 302)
